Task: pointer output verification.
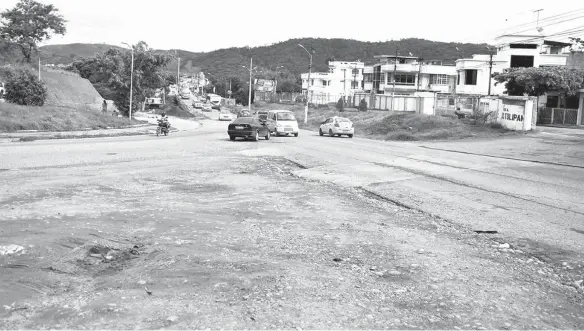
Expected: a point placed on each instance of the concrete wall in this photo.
(517, 113)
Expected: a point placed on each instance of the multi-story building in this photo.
(406, 75)
(343, 79)
(512, 51)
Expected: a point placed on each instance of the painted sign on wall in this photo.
(516, 114)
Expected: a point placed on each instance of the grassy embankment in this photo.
(14, 118)
(386, 125)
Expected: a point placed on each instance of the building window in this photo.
(368, 77)
(355, 71)
(312, 82)
(521, 61)
(405, 79)
(354, 85)
(324, 83)
(458, 78)
(439, 79)
(552, 101)
(470, 76)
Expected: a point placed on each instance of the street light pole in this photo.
(307, 83)
(131, 80)
(249, 96)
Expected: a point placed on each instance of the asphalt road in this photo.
(195, 231)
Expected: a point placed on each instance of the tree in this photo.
(29, 23)
(289, 86)
(24, 88)
(577, 44)
(110, 74)
(538, 81)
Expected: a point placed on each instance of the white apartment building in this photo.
(406, 75)
(343, 79)
(512, 51)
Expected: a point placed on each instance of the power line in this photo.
(542, 20)
(556, 23)
(561, 33)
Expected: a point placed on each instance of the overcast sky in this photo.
(204, 25)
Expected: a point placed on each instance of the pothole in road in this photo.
(103, 261)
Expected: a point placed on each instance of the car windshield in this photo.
(286, 117)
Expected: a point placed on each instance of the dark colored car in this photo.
(248, 127)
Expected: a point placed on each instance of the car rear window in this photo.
(342, 120)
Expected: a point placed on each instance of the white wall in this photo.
(517, 113)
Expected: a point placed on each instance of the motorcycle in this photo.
(163, 127)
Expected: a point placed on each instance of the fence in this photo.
(388, 102)
(561, 116)
(450, 105)
(280, 97)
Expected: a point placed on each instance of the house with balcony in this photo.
(407, 75)
(344, 78)
(524, 51)
(513, 51)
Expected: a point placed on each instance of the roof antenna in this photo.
(537, 24)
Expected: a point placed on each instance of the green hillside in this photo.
(228, 61)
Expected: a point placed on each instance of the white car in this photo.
(225, 116)
(282, 122)
(337, 126)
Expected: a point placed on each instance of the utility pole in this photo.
(249, 96)
(490, 68)
(131, 80)
(345, 81)
(308, 83)
(394, 72)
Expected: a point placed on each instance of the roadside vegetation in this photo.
(174, 107)
(14, 118)
(386, 125)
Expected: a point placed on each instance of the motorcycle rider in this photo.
(163, 120)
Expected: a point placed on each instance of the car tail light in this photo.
(337, 125)
(351, 124)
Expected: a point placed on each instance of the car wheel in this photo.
(350, 135)
(296, 134)
(231, 138)
(320, 132)
(267, 137)
(331, 133)
(256, 137)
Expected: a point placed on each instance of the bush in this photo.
(363, 105)
(24, 88)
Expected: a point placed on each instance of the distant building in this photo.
(343, 79)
